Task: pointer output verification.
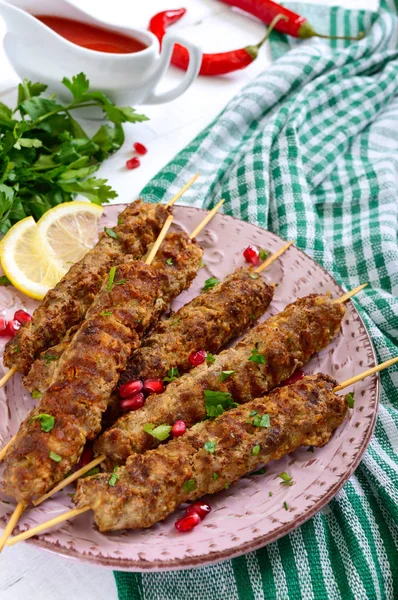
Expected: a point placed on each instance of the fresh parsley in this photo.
(36, 394)
(262, 421)
(210, 446)
(93, 471)
(105, 313)
(111, 233)
(257, 357)
(3, 279)
(310, 449)
(254, 275)
(49, 357)
(189, 485)
(111, 278)
(215, 476)
(169, 261)
(46, 421)
(47, 158)
(350, 400)
(217, 402)
(256, 450)
(55, 457)
(286, 479)
(259, 472)
(114, 477)
(172, 374)
(270, 494)
(210, 283)
(263, 254)
(161, 432)
(225, 374)
(210, 358)
(285, 506)
(120, 282)
(253, 413)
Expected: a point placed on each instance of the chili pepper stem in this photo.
(307, 31)
(254, 49)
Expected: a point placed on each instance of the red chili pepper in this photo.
(212, 64)
(293, 24)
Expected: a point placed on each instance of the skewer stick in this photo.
(367, 373)
(182, 191)
(160, 239)
(351, 293)
(11, 523)
(273, 257)
(78, 511)
(7, 376)
(206, 220)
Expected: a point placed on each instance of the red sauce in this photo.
(92, 37)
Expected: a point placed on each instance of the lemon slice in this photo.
(25, 260)
(68, 231)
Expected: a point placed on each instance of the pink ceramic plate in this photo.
(245, 517)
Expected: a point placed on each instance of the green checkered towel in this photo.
(309, 150)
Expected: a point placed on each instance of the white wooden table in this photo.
(26, 572)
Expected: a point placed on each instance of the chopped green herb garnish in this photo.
(253, 413)
(210, 358)
(178, 319)
(114, 477)
(120, 221)
(252, 317)
(350, 400)
(120, 282)
(169, 261)
(254, 275)
(215, 476)
(310, 449)
(285, 506)
(263, 254)
(259, 472)
(111, 233)
(210, 283)
(270, 494)
(111, 277)
(231, 433)
(15, 349)
(210, 447)
(257, 357)
(93, 471)
(286, 479)
(36, 394)
(262, 421)
(256, 450)
(46, 421)
(49, 358)
(172, 374)
(105, 313)
(226, 486)
(4, 280)
(161, 432)
(225, 374)
(202, 263)
(217, 402)
(55, 457)
(189, 485)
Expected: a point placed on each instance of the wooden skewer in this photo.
(273, 257)
(160, 239)
(11, 523)
(78, 511)
(7, 376)
(206, 220)
(182, 191)
(351, 293)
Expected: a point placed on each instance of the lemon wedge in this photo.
(68, 231)
(25, 260)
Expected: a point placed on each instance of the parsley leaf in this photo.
(111, 233)
(254, 275)
(262, 421)
(189, 485)
(55, 457)
(46, 421)
(217, 402)
(210, 283)
(225, 374)
(210, 447)
(257, 357)
(114, 477)
(172, 374)
(263, 254)
(215, 476)
(36, 394)
(350, 400)
(49, 358)
(286, 479)
(111, 278)
(161, 432)
(169, 261)
(210, 358)
(285, 506)
(106, 313)
(93, 471)
(4, 280)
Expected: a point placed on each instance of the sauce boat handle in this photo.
(195, 60)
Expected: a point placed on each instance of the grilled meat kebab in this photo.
(66, 304)
(52, 437)
(209, 321)
(151, 486)
(263, 359)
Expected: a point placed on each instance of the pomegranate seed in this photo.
(133, 163)
(22, 316)
(198, 508)
(251, 255)
(153, 385)
(140, 148)
(187, 523)
(134, 403)
(179, 428)
(197, 358)
(296, 376)
(130, 388)
(12, 328)
(87, 455)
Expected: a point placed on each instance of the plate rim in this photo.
(213, 557)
